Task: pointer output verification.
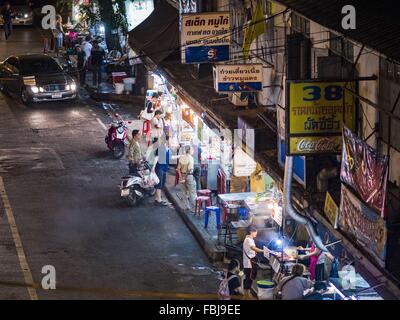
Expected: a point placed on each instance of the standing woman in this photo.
(59, 34)
(317, 262)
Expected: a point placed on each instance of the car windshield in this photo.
(39, 66)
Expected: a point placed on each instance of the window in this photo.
(300, 24)
(13, 65)
(341, 46)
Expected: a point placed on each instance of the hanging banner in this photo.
(238, 77)
(314, 117)
(206, 37)
(363, 225)
(243, 164)
(365, 170)
(331, 210)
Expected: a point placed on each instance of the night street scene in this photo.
(199, 150)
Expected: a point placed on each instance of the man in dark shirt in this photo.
(81, 65)
(97, 56)
(8, 14)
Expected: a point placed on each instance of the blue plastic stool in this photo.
(243, 214)
(217, 211)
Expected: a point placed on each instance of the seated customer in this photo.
(319, 289)
(293, 287)
(234, 283)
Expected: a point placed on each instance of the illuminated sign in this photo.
(238, 77)
(315, 117)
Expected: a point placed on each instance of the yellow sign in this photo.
(331, 209)
(315, 116)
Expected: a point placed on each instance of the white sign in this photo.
(238, 77)
(277, 215)
(206, 37)
(243, 164)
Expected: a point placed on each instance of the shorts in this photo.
(162, 176)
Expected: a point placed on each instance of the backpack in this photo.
(223, 290)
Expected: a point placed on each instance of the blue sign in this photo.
(299, 163)
(207, 54)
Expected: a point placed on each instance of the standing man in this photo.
(157, 125)
(8, 14)
(249, 253)
(185, 170)
(81, 65)
(98, 55)
(135, 154)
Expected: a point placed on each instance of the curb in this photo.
(208, 246)
(116, 97)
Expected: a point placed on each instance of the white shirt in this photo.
(156, 127)
(247, 244)
(87, 48)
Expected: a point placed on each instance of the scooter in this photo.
(135, 187)
(116, 137)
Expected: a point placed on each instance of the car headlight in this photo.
(26, 15)
(34, 89)
(73, 86)
(68, 87)
(41, 89)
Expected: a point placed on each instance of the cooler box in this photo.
(118, 77)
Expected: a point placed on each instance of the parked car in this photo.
(23, 16)
(36, 77)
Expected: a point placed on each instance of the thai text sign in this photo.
(238, 77)
(331, 209)
(363, 225)
(365, 170)
(205, 37)
(315, 117)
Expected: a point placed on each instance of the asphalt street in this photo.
(60, 206)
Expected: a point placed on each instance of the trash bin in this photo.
(265, 290)
(119, 88)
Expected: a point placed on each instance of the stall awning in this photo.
(158, 36)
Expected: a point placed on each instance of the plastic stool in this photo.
(207, 212)
(204, 192)
(200, 201)
(243, 214)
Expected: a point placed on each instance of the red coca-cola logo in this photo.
(321, 145)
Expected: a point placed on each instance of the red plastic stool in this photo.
(200, 202)
(204, 192)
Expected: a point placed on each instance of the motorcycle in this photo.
(135, 187)
(115, 139)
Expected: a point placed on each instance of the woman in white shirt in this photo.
(249, 253)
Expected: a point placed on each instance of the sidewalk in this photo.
(207, 238)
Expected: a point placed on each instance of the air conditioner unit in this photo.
(235, 99)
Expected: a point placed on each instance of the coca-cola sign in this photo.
(315, 145)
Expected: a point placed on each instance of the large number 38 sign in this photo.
(330, 93)
(315, 116)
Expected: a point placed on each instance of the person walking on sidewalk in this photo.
(59, 35)
(161, 169)
(81, 65)
(185, 170)
(8, 15)
(97, 57)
